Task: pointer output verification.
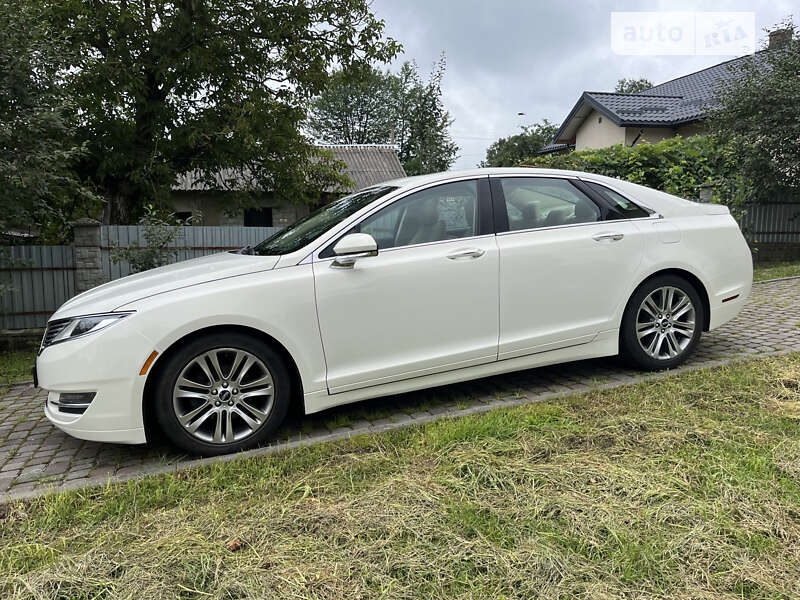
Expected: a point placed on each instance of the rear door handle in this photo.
(610, 237)
(471, 253)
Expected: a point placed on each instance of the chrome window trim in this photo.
(320, 243)
(313, 256)
(569, 225)
(654, 214)
(636, 202)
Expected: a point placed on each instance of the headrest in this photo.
(425, 212)
(586, 212)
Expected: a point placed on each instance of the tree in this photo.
(632, 86)
(212, 88)
(423, 123)
(758, 114)
(511, 151)
(373, 107)
(353, 108)
(39, 191)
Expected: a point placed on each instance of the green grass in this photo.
(687, 487)
(16, 366)
(775, 270)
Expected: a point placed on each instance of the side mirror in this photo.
(352, 247)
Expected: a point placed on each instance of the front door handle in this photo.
(471, 253)
(608, 237)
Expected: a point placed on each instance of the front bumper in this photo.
(106, 363)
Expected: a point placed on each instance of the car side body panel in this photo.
(713, 250)
(408, 312)
(279, 303)
(560, 286)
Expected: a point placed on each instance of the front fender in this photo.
(279, 303)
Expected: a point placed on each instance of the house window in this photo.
(183, 215)
(258, 217)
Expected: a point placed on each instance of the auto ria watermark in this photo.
(683, 33)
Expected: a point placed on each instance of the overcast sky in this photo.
(536, 57)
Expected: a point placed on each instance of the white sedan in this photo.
(409, 284)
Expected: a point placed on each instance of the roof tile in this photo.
(367, 164)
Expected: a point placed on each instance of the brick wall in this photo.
(87, 255)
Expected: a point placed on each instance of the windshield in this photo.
(309, 228)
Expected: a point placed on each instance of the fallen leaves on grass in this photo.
(235, 545)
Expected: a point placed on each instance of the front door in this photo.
(426, 303)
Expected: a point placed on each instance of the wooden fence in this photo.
(192, 242)
(774, 223)
(34, 281)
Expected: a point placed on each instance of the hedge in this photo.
(676, 165)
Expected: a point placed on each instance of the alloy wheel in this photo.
(223, 395)
(665, 322)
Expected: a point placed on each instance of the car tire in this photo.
(655, 331)
(199, 404)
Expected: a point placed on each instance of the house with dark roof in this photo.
(677, 107)
(366, 165)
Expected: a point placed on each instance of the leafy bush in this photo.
(160, 231)
(679, 166)
(758, 114)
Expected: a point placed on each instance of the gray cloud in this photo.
(536, 57)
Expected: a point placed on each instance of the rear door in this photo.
(566, 263)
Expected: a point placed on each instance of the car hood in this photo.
(112, 295)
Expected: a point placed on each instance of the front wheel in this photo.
(222, 393)
(662, 323)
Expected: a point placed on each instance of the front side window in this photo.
(619, 206)
(534, 202)
(444, 212)
(308, 229)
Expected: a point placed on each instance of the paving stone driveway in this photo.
(36, 457)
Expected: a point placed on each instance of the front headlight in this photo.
(62, 330)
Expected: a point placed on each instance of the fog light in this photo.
(73, 403)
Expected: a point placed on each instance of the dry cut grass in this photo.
(684, 488)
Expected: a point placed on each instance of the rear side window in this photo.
(619, 207)
(534, 202)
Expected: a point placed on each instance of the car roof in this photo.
(433, 177)
(661, 202)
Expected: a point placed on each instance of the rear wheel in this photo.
(222, 393)
(662, 323)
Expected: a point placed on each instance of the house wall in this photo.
(206, 208)
(287, 214)
(209, 209)
(692, 129)
(656, 134)
(649, 134)
(598, 131)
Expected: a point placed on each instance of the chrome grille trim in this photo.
(53, 329)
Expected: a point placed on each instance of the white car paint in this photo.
(406, 319)
(585, 282)
(414, 313)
